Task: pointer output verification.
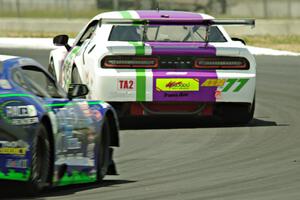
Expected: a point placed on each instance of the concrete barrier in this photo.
(263, 27)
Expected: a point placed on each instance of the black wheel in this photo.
(51, 69)
(75, 76)
(237, 114)
(102, 151)
(40, 161)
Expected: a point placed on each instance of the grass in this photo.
(53, 14)
(35, 34)
(282, 42)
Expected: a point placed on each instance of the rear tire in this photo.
(102, 152)
(236, 114)
(40, 161)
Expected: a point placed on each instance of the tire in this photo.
(237, 114)
(51, 69)
(102, 151)
(40, 161)
(75, 76)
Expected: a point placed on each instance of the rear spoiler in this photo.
(180, 21)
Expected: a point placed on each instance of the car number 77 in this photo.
(231, 82)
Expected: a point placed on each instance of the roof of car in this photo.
(151, 14)
(10, 61)
(6, 57)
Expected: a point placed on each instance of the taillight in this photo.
(129, 62)
(221, 63)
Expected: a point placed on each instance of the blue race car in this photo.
(47, 136)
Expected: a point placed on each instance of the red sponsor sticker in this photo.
(126, 84)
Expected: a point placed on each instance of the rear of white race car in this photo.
(170, 63)
(171, 79)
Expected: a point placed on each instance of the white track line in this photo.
(46, 43)
(273, 52)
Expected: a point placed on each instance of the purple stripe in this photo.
(146, 14)
(180, 48)
(205, 94)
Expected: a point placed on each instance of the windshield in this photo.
(166, 33)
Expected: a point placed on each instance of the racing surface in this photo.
(193, 159)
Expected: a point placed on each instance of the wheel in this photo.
(75, 76)
(102, 152)
(237, 113)
(51, 69)
(40, 161)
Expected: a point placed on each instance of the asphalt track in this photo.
(190, 159)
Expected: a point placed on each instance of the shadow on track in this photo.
(186, 122)
(14, 190)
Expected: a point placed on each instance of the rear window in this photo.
(166, 33)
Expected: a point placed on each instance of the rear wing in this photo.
(180, 21)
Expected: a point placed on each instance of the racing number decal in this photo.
(231, 82)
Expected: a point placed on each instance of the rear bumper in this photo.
(131, 109)
(119, 85)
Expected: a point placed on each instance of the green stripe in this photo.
(139, 48)
(140, 84)
(16, 95)
(17, 176)
(140, 73)
(126, 14)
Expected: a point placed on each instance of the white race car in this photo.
(161, 63)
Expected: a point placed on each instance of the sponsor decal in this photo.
(180, 94)
(25, 121)
(20, 164)
(214, 83)
(18, 114)
(13, 148)
(126, 85)
(4, 84)
(177, 84)
(14, 144)
(230, 84)
(13, 151)
(66, 74)
(21, 111)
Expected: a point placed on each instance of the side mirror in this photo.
(62, 40)
(77, 90)
(239, 39)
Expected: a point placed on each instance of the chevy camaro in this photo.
(47, 137)
(161, 63)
